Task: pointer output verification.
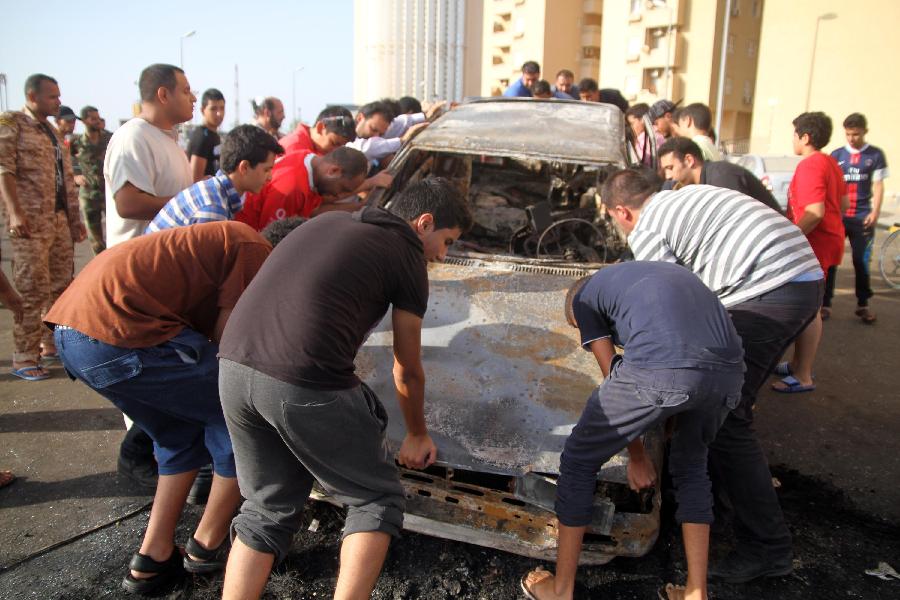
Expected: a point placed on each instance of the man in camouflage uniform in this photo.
(88, 152)
(40, 210)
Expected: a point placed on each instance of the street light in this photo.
(812, 63)
(294, 88)
(181, 44)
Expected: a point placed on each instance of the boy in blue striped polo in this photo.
(246, 161)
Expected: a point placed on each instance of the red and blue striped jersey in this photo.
(861, 168)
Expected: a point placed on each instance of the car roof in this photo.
(530, 128)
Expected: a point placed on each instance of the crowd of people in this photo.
(230, 357)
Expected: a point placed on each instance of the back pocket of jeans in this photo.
(114, 371)
(661, 398)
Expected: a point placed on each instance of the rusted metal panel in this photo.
(561, 130)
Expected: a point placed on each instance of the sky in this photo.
(96, 49)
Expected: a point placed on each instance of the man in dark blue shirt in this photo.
(521, 88)
(682, 356)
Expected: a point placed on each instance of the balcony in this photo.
(592, 6)
(660, 17)
(655, 58)
(590, 35)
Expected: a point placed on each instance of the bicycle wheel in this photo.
(889, 260)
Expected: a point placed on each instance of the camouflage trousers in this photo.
(92, 211)
(42, 268)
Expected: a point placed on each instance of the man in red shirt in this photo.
(305, 184)
(333, 128)
(816, 200)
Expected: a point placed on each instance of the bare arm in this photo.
(18, 222)
(198, 167)
(221, 321)
(877, 197)
(132, 203)
(604, 351)
(812, 216)
(417, 450)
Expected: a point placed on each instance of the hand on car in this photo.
(417, 451)
(641, 472)
(413, 131)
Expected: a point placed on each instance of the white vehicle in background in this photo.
(775, 172)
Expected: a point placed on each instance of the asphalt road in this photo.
(835, 451)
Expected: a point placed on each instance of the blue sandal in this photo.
(23, 373)
(793, 386)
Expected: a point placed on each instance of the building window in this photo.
(757, 8)
(730, 43)
(651, 80)
(656, 37)
(751, 48)
(728, 86)
(636, 7)
(748, 92)
(735, 8)
(590, 52)
(632, 86)
(634, 48)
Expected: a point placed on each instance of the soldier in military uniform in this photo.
(40, 210)
(88, 152)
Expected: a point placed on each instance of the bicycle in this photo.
(889, 258)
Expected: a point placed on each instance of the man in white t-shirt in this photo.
(144, 166)
(695, 121)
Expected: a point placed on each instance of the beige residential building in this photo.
(849, 65)
(655, 49)
(429, 49)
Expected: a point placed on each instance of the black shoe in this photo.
(165, 573)
(208, 561)
(739, 568)
(199, 493)
(142, 472)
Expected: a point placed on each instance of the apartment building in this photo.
(429, 49)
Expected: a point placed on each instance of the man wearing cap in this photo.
(40, 211)
(661, 116)
(88, 153)
(65, 123)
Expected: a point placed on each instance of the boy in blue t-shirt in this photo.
(865, 169)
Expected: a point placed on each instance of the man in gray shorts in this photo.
(295, 409)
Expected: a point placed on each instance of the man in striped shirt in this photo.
(246, 160)
(765, 273)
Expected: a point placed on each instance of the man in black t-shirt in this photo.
(681, 161)
(204, 143)
(296, 410)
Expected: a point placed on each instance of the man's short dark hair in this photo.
(409, 105)
(588, 85)
(435, 195)
(565, 73)
(352, 162)
(638, 110)
(817, 125)
(87, 110)
(541, 87)
(338, 120)
(856, 121)
(392, 104)
(680, 147)
(569, 307)
(377, 108)
(247, 142)
(699, 114)
(614, 97)
(154, 77)
(531, 67)
(210, 95)
(630, 187)
(33, 83)
(278, 230)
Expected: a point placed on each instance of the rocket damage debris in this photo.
(506, 376)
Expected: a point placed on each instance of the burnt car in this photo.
(506, 377)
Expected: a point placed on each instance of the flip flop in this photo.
(865, 315)
(793, 386)
(23, 373)
(663, 592)
(6, 478)
(528, 593)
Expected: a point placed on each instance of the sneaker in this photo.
(142, 472)
(199, 493)
(739, 568)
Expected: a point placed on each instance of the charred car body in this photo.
(506, 378)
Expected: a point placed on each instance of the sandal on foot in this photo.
(206, 561)
(6, 478)
(31, 373)
(793, 386)
(663, 593)
(166, 573)
(825, 313)
(523, 583)
(865, 315)
(783, 369)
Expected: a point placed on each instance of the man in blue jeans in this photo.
(140, 325)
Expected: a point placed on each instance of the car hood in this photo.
(506, 377)
(529, 128)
